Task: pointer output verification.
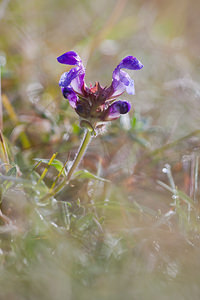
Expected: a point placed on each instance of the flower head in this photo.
(97, 103)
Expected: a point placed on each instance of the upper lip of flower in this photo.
(96, 101)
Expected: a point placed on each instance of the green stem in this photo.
(79, 155)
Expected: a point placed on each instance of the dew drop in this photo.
(165, 170)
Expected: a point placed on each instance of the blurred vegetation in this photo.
(129, 226)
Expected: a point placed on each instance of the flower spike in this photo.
(97, 104)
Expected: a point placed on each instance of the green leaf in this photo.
(134, 122)
(76, 129)
(12, 172)
(55, 163)
(86, 174)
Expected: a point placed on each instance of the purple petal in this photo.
(116, 109)
(118, 88)
(128, 82)
(130, 88)
(69, 58)
(67, 77)
(122, 80)
(69, 94)
(78, 82)
(130, 62)
(75, 77)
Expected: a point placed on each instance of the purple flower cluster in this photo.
(97, 104)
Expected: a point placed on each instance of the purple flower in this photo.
(97, 104)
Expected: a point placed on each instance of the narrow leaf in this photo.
(55, 163)
(86, 174)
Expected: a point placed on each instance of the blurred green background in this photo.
(127, 238)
